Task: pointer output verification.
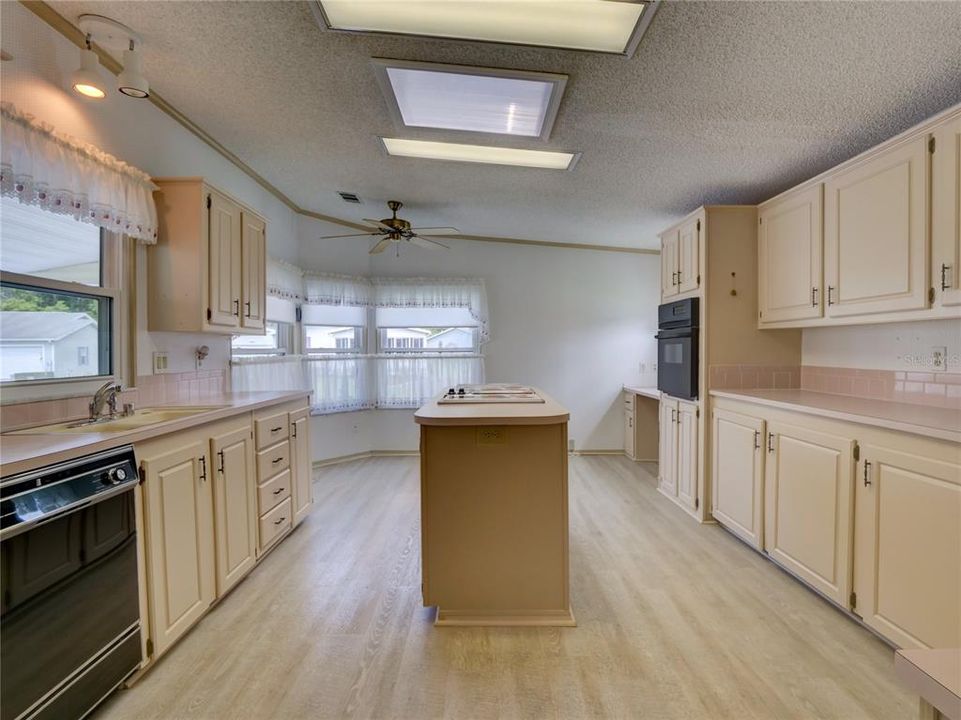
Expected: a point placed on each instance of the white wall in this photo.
(576, 323)
(36, 82)
(891, 346)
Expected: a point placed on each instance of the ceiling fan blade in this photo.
(332, 237)
(427, 242)
(436, 231)
(378, 224)
(380, 247)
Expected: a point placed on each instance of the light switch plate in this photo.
(160, 363)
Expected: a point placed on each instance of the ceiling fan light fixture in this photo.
(484, 154)
(606, 26)
(87, 79)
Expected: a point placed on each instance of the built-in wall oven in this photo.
(677, 348)
(70, 621)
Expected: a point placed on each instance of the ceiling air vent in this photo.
(349, 197)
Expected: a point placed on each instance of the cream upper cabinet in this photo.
(301, 466)
(688, 256)
(180, 535)
(687, 454)
(207, 271)
(790, 250)
(946, 212)
(667, 452)
(809, 495)
(875, 233)
(908, 545)
(253, 294)
(669, 257)
(737, 469)
(223, 285)
(235, 506)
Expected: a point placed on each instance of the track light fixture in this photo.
(113, 37)
(87, 79)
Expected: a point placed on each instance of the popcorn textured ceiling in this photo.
(723, 102)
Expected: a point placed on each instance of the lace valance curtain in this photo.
(284, 280)
(329, 289)
(39, 166)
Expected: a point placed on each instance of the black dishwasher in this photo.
(70, 618)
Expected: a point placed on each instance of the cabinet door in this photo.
(235, 509)
(687, 465)
(667, 452)
(180, 540)
(946, 212)
(875, 233)
(789, 257)
(908, 547)
(224, 263)
(737, 474)
(301, 464)
(669, 246)
(688, 254)
(253, 293)
(808, 491)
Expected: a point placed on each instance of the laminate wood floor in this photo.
(675, 620)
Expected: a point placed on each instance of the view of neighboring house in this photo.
(408, 338)
(47, 344)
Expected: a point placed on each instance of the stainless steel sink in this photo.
(140, 418)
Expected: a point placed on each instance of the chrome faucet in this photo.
(106, 395)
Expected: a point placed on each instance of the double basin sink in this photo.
(121, 423)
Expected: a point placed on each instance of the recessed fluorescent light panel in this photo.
(458, 152)
(608, 26)
(479, 100)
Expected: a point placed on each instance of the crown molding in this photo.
(72, 33)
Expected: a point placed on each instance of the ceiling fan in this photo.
(397, 230)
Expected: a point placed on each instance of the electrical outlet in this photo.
(570, 445)
(653, 367)
(160, 363)
(939, 358)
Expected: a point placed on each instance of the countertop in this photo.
(936, 422)
(548, 412)
(649, 392)
(935, 675)
(21, 453)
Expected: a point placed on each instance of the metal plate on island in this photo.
(491, 393)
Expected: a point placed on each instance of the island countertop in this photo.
(549, 412)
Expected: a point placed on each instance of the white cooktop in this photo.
(490, 393)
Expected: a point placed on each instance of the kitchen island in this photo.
(494, 511)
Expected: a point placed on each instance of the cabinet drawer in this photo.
(270, 430)
(275, 523)
(274, 491)
(272, 460)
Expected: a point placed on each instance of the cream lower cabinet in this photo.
(179, 526)
(908, 543)
(235, 505)
(300, 464)
(678, 452)
(737, 474)
(809, 495)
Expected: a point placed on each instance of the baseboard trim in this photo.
(363, 456)
(598, 452)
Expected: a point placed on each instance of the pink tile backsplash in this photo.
(753, 377)
(184, 388)
(919, 388)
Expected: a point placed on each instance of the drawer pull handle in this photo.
(277, 429)
(277, 492)
(276, 460)
(277, 522)
(830, 295)
(867, 470)
(757, 439)
(770, 442)
(944, 273)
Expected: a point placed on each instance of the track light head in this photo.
(131, 81)
(87, 79)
